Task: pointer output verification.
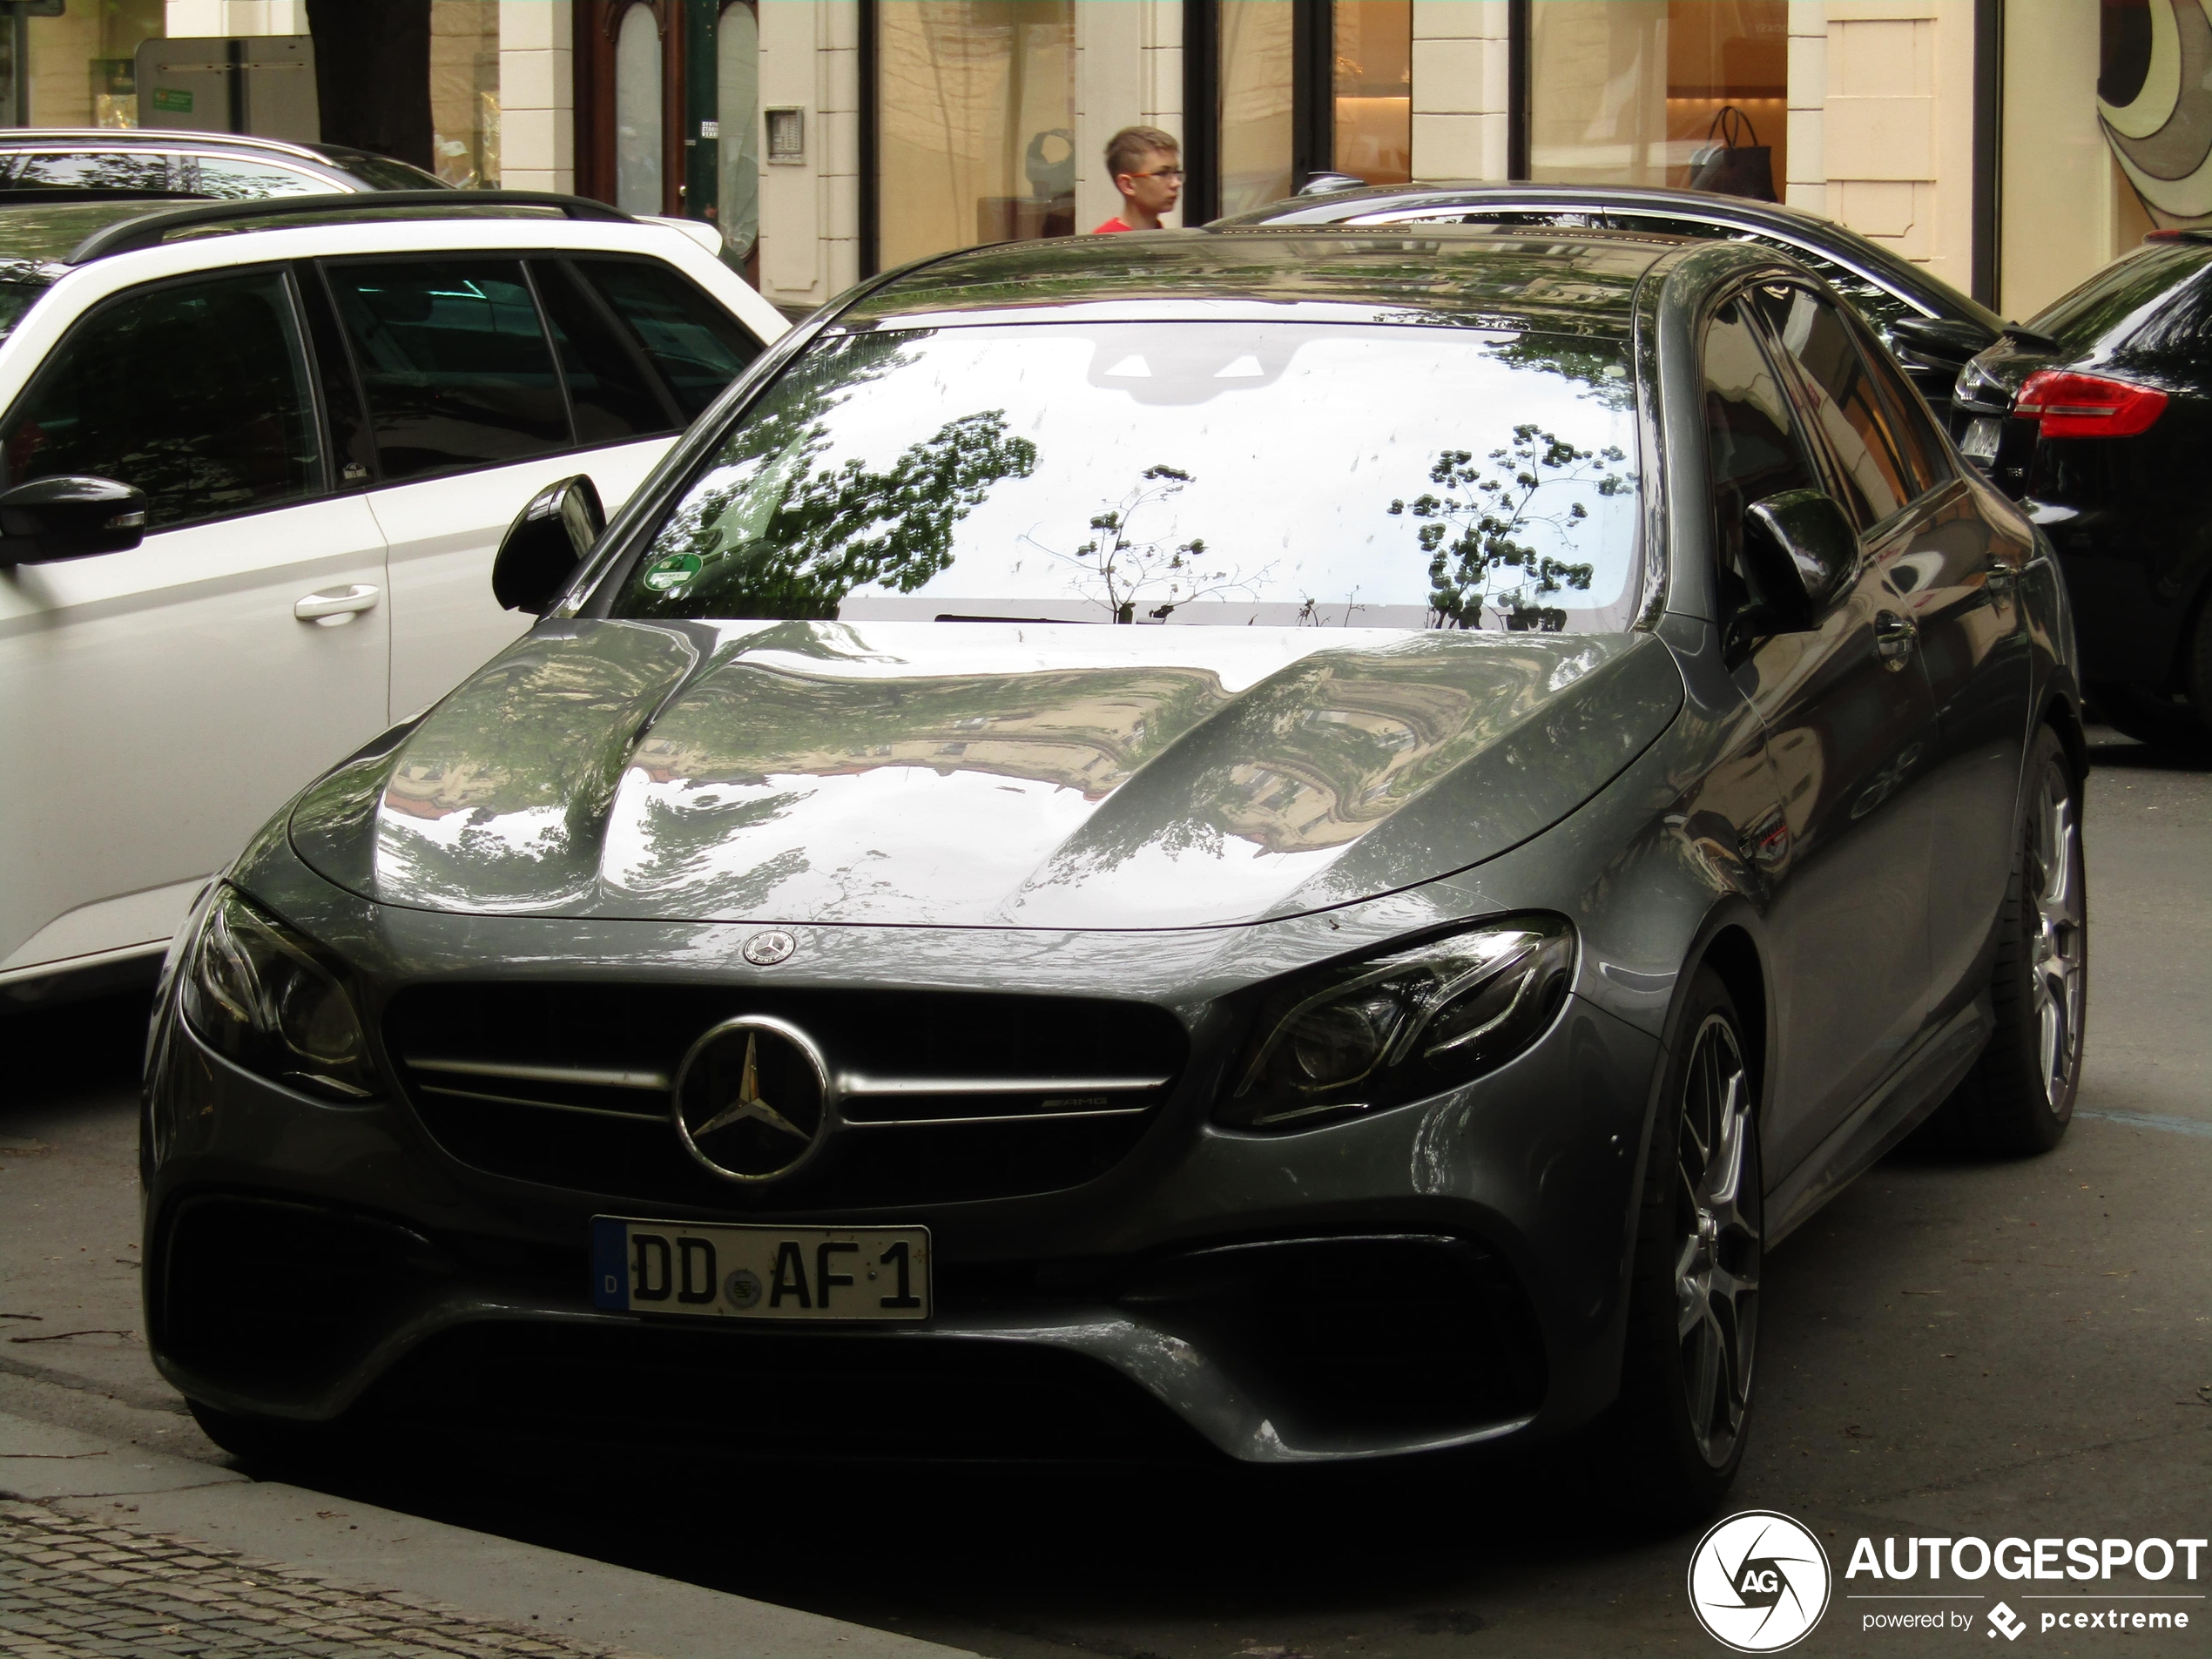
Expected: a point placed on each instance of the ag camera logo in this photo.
(1759, 1582)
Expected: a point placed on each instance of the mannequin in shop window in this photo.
(1146, 166)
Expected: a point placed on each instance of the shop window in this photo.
(976, 117)
(1373, 87)
(1296, 87)
(464, 92)
(637, 112)
(1629, 91)
(75, 67)
(1257, 103)
(736, 95)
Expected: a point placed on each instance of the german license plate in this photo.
(724, 1272)
(1980, 442)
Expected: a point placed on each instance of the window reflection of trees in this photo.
(778, 528)
(771, 532)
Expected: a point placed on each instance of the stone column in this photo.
(1459, 89)
(1807, 184)
(538, 94)
(1129, 72)
(1897, 127)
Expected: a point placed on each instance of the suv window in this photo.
(235, 181)
(699, 347)
(1751, 449)
(1843, 407)
(612, 392)
(196, 393)
(453, 361)
(92, 170)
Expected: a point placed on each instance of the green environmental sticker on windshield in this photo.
(664, 575)
(174, 100)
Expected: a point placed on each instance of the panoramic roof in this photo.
(1579, 281)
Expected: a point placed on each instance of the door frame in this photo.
(597, 26)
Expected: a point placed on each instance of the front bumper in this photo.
(1447, 1274)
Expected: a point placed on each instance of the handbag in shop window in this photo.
(1732, 161)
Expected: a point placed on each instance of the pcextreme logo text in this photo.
(2143, 1585)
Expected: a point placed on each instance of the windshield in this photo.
(1272, 473)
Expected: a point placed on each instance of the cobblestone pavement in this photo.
(76, 1587)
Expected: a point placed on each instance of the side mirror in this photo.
(1804, 551)
(545, 544)
(1940, 342)
(68, 517)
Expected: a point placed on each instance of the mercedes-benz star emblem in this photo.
(753, 1099)
(766, 950)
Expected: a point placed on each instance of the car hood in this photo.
(1033, 775)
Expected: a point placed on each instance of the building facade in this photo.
(2011, 146)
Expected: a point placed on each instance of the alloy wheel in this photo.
(2057, 948)
(1717, 1219)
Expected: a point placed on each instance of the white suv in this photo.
(327, 419)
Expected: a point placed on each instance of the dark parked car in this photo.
(1930, 326)
(1284, 846)
(2098, 417)
(154, 162)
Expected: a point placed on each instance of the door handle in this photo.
(1894, 638)
(337, 606)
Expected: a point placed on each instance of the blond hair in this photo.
(1126, 149)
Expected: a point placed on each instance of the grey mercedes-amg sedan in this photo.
(1281, 846)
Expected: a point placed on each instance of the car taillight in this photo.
(2087, 405)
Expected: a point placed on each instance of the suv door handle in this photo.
(338, 605)
(1894, 638)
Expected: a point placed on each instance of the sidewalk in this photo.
(110, 1550)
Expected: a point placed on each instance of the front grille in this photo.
(947, 1096)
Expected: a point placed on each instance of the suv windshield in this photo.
(1271, 473)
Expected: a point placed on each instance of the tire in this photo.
(2151, 717)
(2018, 1098)
(1689, 1371)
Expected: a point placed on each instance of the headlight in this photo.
(1356, 1037)
(259, 995)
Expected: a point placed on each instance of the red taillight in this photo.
(2087, 405)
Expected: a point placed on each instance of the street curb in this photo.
(348, 1543)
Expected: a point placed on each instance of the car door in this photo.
(1959, 574)
(1849, 726)
(162, 702)
(484, 378)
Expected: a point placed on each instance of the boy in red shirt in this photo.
(1146, 166)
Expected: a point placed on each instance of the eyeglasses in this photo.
(1175, 173)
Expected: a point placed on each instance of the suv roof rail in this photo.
(148, 230)
(138, 138)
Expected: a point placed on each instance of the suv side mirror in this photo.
(68, 517)
(545, 544)
(1804, 551)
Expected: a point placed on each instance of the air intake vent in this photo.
(947, 1098)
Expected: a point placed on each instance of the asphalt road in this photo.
(1952, 1348)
